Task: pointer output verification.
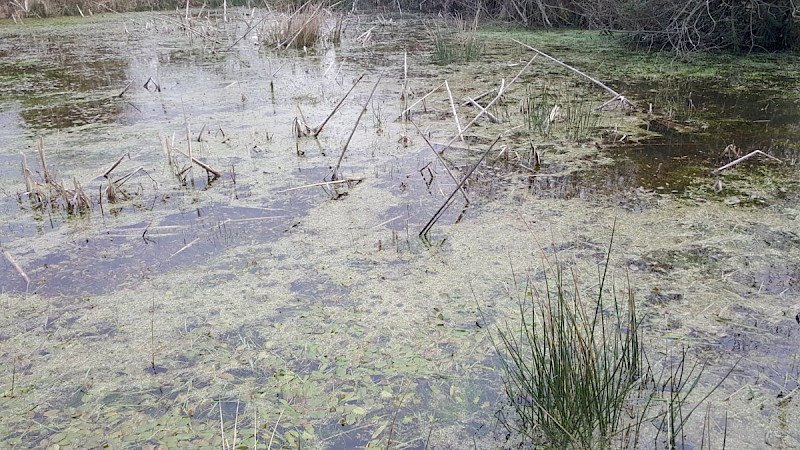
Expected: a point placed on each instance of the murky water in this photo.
(312, 315)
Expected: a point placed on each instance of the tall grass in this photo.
(547, 112)
(459, 46)
(577, 375)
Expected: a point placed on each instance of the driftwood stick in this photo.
(440, 211)
(455, 114)
(319, 128)
(744, 158)
(583, 74)
(407, 110)
(206, 167)
(478, 97)
(478, 105)
(324, 183)
(360, 115)
(196, 240)
(16, 266)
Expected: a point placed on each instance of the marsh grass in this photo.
(549, 113)
(300, 29)
(577, 375)
(459, 46)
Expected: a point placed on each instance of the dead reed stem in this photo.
(204, 166)
(437, 215)
(338, 105)
(323, 183)
(407, 110)
(500, 91)
(488, 114)
(114, 166)
(744, 158)
(455, 114)
(40, 147)
(16, 266)
(441, 159)
(616, 94)
(334, 175)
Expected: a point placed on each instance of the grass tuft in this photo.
(459, 46)
(577, 376)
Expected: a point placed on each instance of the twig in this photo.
(743, 158)
(16, 266)
(319, 129)
(423, 234)
(346, 144)
(324, 183)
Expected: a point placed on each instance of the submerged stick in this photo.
(16, 266)
(323, 183)
(360, 115)
(319, 129)
(440, 211)
(743, 158)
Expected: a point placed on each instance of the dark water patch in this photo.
(699, 125)
(666, 261)
(104, 262)
(779, 277)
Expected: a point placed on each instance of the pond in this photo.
(289, 301)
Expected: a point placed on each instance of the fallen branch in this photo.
(743, 158)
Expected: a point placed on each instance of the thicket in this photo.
(679, 25)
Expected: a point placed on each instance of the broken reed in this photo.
(47, 191)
